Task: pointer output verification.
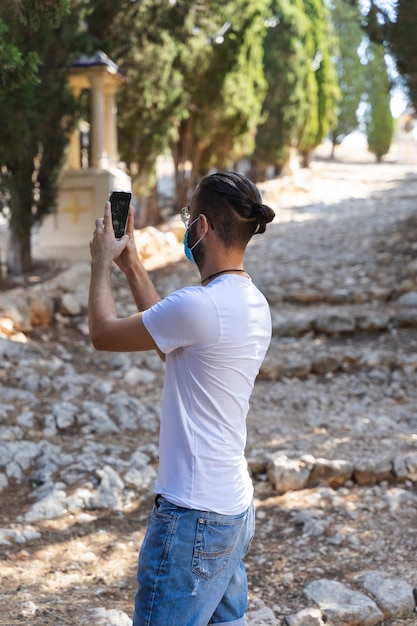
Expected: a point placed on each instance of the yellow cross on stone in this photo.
(74, 209)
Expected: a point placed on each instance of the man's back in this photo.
(215, 338)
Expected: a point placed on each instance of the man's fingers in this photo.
(107, 215)
(120, 246)
(130, 224)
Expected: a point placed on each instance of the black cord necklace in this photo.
(218, 274)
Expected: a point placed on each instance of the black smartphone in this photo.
(120, 202)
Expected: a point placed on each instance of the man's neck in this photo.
(210, 277)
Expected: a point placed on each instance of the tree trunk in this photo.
(187, 156)
(257, 171)
(148, 213)
(19, 253)
(3, 271)
(147, 210)
(305, 158)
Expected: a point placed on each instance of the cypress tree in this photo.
(194, 82)
(37, 112)
(379, 122)
(395, 25)
(287, 69)
(346, 19)
(224, 86)
(323, 86)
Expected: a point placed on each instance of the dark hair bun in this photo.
(263, 214)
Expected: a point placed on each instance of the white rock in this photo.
(70, 305)
(49, 507)
(109, 494)
(288, 474)
(341, 605)
(106, 617)
(393, 595)
(261, 617)
(305, 617)
(136, 376)
(408, 299)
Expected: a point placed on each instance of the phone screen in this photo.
(120, 202)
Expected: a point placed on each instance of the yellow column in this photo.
(110, 129)
(74, 158)
(98, 155)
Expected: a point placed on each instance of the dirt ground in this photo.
(78, 565)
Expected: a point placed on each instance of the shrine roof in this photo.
(99, 58)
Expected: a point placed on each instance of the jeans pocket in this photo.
(215, 541)
(161, 529)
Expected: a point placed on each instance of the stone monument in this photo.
(85, 186)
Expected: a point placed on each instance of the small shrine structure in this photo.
(86, 180)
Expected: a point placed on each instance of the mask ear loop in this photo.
(202, 236)
(197, 242)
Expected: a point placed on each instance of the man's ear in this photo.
(204, 224)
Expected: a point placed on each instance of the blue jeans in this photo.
(190, 570)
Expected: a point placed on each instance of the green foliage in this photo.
(395, 25)
(322, 84)
(299, 108)
(230, 111)
(240, 96)
(379, 121)
(32, 13)
(147, 41)
(15, 68)
(286, 65)
(194, 82)
(346, 19)
(19, 63)
(402, 43)
(37, 117)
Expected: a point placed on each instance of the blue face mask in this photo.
(187, 250)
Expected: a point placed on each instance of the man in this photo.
(214, 338)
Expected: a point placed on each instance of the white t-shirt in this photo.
(215, 339)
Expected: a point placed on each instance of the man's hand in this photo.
(129, 255)
(107, 330)
(104, 247)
